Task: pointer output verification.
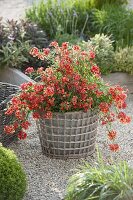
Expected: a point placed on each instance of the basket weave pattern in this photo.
(6, 92)
(68, 135)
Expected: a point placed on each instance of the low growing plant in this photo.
(12, 176)
(101, 181)
(124, 60)
(71, 83)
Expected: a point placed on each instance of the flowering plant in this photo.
(72, 82)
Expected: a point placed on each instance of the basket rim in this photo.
(5, 83)
(75, 112)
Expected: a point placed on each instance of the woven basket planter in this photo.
(6, 93)
(68, 135)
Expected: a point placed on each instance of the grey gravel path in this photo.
(47, 178)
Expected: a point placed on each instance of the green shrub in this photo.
(124, 60)
(101, 182)
(102, 45)
(116, 21)
(12, 176)
(71, 16)
(14, 54)
(16, 39)
(100, 3)
(23, 31)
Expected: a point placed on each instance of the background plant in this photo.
(12, 177)
(124, 60)
(14, 54)
(72, 39)
(16, 40)
(71, 16)
(102, 45)
(116, 21)
(101, 181)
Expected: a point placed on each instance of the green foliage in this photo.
(71, 16)
(124, 60)
(101, 182)
(102, 45)
(12, 177)
(23, 31)
(72, 39)
(100, 3)
(14, 54)
(16, 39)
(116, 21)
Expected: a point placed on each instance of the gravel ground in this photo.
(47, 178)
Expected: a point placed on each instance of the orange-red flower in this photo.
(112, 135)
(9, 129)
(22, 135)
(114, 147)
(104, 107)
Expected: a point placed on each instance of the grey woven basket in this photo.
(6, 93)
(68, 135)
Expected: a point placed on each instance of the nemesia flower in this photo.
(123, 118)
(95, 69)
(64, 45)
(112, 135)
(114, 147)
(22, 135)
(54, 44)
(104, 107)
(29, 70)
(46, 51)
(92, 54)
(9, 129)
(25, 125)
(34, 51)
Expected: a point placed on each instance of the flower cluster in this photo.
(72, 82)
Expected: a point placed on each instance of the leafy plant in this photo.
(12, 177)
(124, 60)
(16, 40)
(71, 16)
(14, 54)
(72, 39)
(25, 30)
(100, 3)
(101, 182)
(116, 21)
(102, 45)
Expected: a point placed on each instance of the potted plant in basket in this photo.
(67, 101)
